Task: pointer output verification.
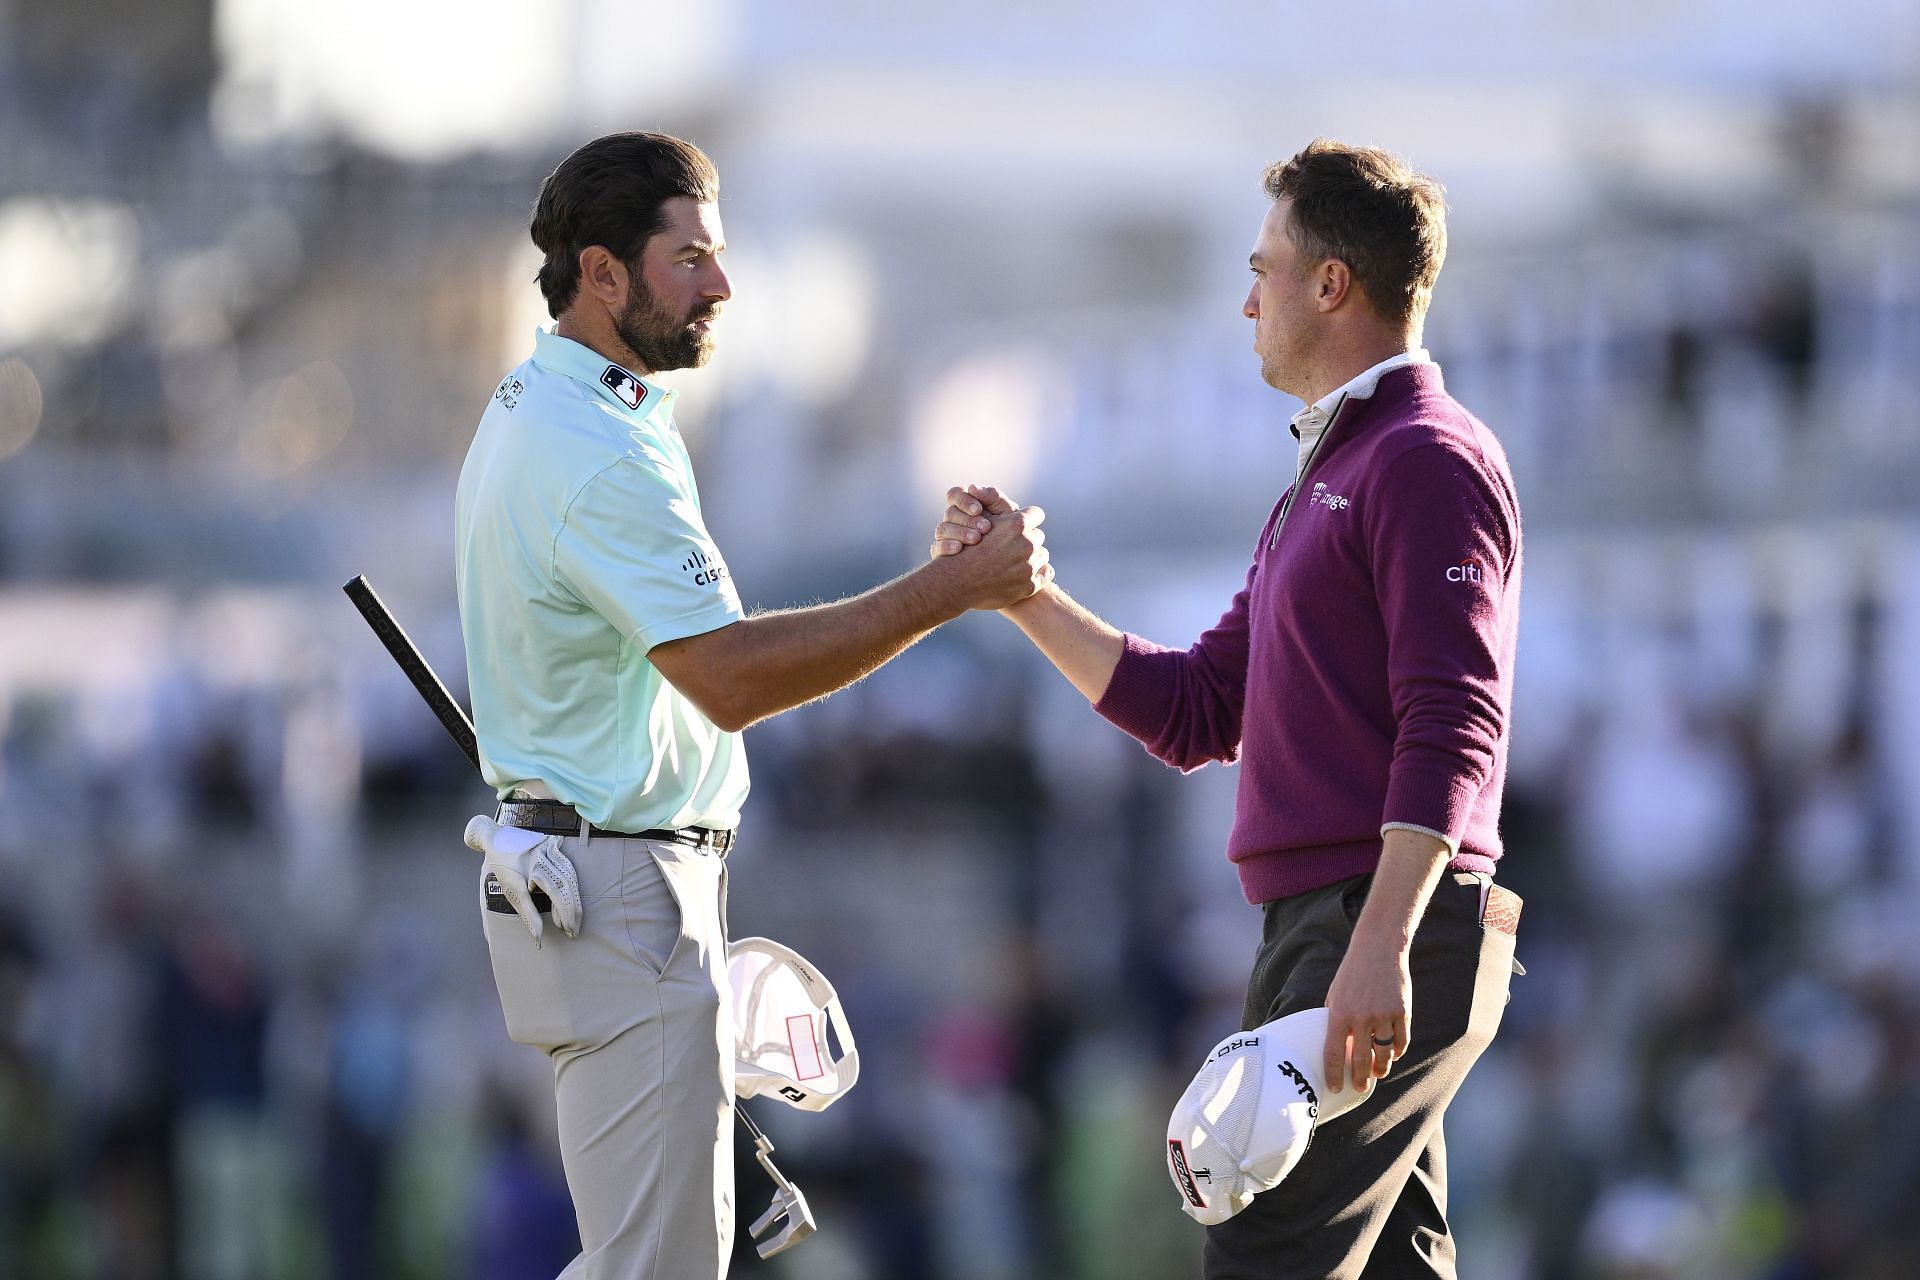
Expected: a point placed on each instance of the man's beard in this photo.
(660, 339)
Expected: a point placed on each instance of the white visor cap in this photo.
(782, 1007)
(1249, 1114)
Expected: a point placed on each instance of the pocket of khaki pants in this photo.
(533, 995)
(649, 907)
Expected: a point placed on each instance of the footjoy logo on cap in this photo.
(1465, 571)
(624, 385)
(1177, 1157)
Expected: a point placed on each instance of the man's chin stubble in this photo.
(688, 350)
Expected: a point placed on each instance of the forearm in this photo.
(1084, 648)
(779, 660)
(1411, 863)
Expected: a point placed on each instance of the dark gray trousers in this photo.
(1369, 1198)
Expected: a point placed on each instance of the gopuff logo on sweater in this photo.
(1467, 570)
(707, 570)
(1323, 498)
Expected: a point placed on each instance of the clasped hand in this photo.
(1008, 551)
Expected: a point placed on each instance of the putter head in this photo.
(789, 1208)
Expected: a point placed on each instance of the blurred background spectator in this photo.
(262, 263)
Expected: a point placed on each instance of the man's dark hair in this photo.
(1369, 209)
(610, 192)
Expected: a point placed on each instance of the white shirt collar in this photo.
(1312, 420)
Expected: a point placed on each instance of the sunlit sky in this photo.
(424, 78)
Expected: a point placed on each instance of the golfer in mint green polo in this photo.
(598, 526)
(612, 670)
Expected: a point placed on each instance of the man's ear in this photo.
(603, 277)
(1335, 283)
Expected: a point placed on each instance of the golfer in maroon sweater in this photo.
(1362, 678)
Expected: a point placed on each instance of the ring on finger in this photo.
(1379, 1043)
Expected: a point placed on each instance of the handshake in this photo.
(991, 549)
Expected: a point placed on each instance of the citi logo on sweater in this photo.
(1465, 571)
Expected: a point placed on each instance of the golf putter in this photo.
(788, 1203)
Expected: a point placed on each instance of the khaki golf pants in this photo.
(636, 1015)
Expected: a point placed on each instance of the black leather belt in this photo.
(552, 817)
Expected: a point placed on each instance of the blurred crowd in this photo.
(218, 1065)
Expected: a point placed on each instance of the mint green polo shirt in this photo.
(578, 547)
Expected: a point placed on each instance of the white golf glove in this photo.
(520, 861)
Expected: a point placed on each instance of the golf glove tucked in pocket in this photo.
(521, 861)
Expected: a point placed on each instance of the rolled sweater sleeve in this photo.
(1444, 545)
(1185, 705)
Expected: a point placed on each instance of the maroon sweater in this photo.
(1365, 670)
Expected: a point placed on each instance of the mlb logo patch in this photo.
(624, 385)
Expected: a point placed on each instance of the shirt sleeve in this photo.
(1444, 542)
(1185, 706)
(632, 547)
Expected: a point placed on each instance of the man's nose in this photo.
(1251, 307)
(717, 286)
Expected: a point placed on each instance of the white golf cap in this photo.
(1249, 1114)
(782, 1007)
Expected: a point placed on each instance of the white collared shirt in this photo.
(1311, 422)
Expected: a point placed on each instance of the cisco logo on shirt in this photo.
(707, 571)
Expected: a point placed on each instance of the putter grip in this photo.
(418, 673)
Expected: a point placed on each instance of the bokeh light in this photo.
(21, 405)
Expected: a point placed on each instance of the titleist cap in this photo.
(1249, 1114)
